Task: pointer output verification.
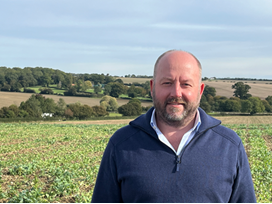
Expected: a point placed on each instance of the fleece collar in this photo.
(143, 122)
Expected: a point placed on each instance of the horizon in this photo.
(148, 76)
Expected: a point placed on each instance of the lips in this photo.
(175, 101)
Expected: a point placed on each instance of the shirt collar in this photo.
(197, 123)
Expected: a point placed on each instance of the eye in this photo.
(167, 83)
(186, 85)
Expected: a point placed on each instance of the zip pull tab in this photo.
(178, 161)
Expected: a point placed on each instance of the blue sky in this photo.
(231, 38)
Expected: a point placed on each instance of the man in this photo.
(175, 152)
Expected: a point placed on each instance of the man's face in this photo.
(176, 89)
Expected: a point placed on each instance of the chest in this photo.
(150, 175)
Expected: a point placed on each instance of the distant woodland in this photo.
(108, 88)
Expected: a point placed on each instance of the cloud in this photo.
(255, 67)
(181, 26)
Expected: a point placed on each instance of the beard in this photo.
(173, 117)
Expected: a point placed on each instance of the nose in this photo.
(176, 90)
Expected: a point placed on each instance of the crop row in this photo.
(50, 163)
(260, 158)
(59, 163)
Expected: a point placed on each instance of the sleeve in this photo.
(243, 189)
(107, 188)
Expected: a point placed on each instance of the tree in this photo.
(232, 106)
(119, 81)
(269, 99)
(97, 89)
(241, 90)
(107, 89)
(257, 105)
(2, 79)
(32, 106)
(108, 79)
(267, 106)
(60, 107)
(205, 106)
(109, 103)
(45, 80)
(246, 106)
(88, 84)
(131, 92)
(14, 109)
(15, 86)
(71, 91)
(209, 90)
(135, 100)
(116, 89)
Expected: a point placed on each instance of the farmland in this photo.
(46, 162)
(9, 98)
(260, 89)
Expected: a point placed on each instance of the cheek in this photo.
(192, 95)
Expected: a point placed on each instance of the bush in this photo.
(99, 111)
(130, 109)
(68, 113)
(80, 111)
(6, 88)
(46, 91)
(29, 90)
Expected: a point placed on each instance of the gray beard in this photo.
(172, 119)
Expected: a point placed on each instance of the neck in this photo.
(183, 127)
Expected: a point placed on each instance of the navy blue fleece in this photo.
(137, 167)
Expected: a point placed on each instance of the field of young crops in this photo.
(59, 162)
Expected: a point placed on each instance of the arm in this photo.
(107, 189)
(243, 190)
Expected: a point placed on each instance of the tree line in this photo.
(16, 79)
(241, 101)
(37, 106)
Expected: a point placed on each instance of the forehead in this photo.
(177, 63)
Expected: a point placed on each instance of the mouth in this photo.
(175, 104)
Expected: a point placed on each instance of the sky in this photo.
(231, 38)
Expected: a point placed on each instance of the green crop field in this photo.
(59, 162)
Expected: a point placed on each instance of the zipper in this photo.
(178, 160)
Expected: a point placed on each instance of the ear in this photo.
(151, 86)
(202, 86)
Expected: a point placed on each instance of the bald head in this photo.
(182, 55)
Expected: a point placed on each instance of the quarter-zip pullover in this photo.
(186, 137)
(138, 167)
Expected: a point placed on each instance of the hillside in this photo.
(260, 89)
(8, 98)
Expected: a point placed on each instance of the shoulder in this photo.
(228, 134)
(123, 134)
(214, 125)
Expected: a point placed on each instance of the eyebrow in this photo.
(170, 79)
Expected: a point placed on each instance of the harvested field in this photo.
(248, 120)
(131, 80)
(9, 98)
(260, 89)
